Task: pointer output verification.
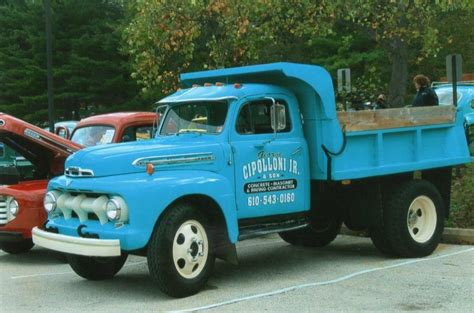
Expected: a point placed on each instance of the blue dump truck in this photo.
(243, 152)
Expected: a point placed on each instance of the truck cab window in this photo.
(207, 117)
(255, 118)
(136, 133)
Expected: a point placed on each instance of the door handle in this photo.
(259, 145)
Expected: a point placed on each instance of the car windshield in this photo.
(207, 117)
(93, 135)
(445, 96)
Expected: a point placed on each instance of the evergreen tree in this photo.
(88, 69)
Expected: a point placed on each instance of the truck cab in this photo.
(36, 156)
(248, 151)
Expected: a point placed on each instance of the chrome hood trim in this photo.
(175, 159)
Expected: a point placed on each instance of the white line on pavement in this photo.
(322, 283)
(63, 273)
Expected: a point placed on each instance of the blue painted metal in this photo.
(147, 197)
(221, 166)
(310, 84)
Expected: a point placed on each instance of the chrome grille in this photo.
(3, 210)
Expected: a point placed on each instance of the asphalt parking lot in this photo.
(348, 275)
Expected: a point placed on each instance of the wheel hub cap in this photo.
(422, 219)
(190, 249)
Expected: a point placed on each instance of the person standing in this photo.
(425, 96)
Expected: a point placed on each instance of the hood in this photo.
(40, 147)
(174, 152)
(25, 189)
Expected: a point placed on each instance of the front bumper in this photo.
(76, 245)
(7, 236)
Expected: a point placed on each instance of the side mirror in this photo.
(278, 116)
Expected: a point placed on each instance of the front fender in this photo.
(177, 184)
(148, 196)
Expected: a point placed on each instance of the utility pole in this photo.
(49, 56)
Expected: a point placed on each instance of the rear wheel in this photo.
(180, 253)
(377, 233)
(414, 219)
(318, 234)
(96, 268)
(17, 247)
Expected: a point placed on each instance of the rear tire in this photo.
(180, 252)
(318, 234)
(377, 233)
(414, 219)
(17, 247)
(96, 268)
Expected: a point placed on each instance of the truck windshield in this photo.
(207, 117)
(93, 135)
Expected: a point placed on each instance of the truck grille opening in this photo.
(3, 210)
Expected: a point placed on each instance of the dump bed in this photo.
(360, 144)
(399, 140)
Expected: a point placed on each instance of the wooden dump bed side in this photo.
(396, 118)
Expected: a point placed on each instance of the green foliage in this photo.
(89, 70)
(462, 198)
(168, 37)
(410, 31)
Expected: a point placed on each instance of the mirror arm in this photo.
(275, 126)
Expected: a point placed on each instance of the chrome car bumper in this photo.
(76, 245)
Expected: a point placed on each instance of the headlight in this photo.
(13, 207)
(50, 202)
(113, 209)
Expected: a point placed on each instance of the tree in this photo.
(167, 37)
(89, 69)
(408, 30)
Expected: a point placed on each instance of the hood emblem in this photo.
(68, 182)
(74, 171)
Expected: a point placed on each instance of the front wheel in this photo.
(318, 234)
(17, 247)
(96, 268)
(414, 219)
(180, 253)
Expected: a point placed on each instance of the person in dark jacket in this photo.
(425, 96)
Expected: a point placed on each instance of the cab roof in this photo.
(117, 119)
(311, 84)
(219, 92)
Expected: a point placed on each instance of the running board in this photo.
(253, 231)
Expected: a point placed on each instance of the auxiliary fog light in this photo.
(113, 209)
(50, 202)
(13, 207)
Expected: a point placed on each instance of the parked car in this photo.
(64, 129)
(21, 201)
(465, 102)
(114, 127)
(264, 152)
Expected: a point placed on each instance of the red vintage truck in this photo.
(22, 191)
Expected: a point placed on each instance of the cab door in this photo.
(271, 175)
